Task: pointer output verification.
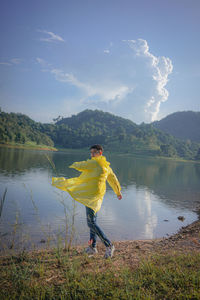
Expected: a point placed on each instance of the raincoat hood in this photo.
(101, 160)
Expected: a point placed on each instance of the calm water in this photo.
(155, 192)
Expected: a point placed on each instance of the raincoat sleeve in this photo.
(113, 182)
(83, 165)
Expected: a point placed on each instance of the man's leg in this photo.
(95, 229)
(91, 219)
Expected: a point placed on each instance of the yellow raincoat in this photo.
(89, 188)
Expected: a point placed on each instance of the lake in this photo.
(155, 193)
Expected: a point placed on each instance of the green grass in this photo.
(71, 276)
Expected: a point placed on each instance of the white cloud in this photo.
(51, 37)
(13, 61)
(5, 64)
(130, 81)
(106, 51)
(16, 61)
(101, 92)
(43, 63)
(61, 76)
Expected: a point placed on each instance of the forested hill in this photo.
(183, 125)
(90, 127)
(20, 129)
(118, 134)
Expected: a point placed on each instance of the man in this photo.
(89, 189)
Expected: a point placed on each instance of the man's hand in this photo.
(119, 196)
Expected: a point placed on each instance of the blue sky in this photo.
(136, 59)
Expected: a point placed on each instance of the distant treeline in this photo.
(88, 127)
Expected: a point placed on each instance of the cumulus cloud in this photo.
(130, 81)
(51, 37)
(160, 68)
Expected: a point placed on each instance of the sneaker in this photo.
(109, 251)
(91, 250)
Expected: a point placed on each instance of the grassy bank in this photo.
(28, 145)
(167, 268)
(61, 275)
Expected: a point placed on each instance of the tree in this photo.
(167, 150)
(197, 157)
(59, 118)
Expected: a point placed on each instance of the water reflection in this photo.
(176, 183)
(19, 161)
(150, 216)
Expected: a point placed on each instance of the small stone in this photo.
(181, 218)
(36, 274)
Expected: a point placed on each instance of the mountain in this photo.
(183, 125)
(89, 127)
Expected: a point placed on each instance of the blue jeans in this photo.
(95, 229)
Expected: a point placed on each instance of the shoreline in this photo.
(187, 238)
(28, 147)
(85, 150)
